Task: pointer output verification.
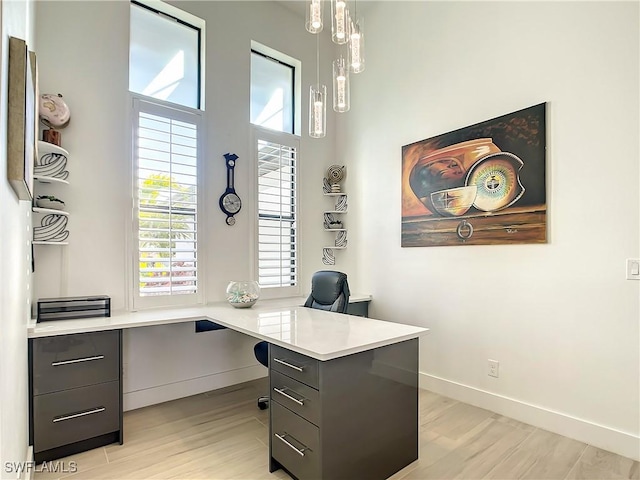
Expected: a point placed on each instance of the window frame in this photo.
(134, 301)
(291, 140)
(141, 103)
(294, 103)
(297, 82)
(185, 18)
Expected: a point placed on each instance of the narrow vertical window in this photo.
(165, 80)
(167, 201)
(275, 88)
(277, 211)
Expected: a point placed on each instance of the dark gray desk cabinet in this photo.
(361, 309)
(353, 417)
(75, 393)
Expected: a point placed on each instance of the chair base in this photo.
(263, 403)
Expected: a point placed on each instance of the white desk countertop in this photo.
(317, 333)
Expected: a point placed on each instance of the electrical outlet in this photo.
(493, 368)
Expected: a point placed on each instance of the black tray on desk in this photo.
(68, 308)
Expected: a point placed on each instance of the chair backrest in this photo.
(329, 291)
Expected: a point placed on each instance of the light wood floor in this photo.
(223, 435)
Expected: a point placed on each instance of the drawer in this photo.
(70, 361)
(296, 396)
(72, 415)
(295, 443)
(294, 365)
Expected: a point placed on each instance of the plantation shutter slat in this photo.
(277, 214)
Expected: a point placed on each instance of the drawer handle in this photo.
(77, 360)
(285, 394)
(81, 414)
(286, 364)
(290, 445)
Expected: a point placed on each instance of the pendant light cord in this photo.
(317, 59)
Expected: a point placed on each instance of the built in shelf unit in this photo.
(334, 223)
(51, 168)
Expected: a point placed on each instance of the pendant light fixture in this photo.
(345, 29)
(341, 97)
(317, 102)
(314, 17)
(356, 45)
(339, 22)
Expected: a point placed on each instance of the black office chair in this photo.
(329, 291)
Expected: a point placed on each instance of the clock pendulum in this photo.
(230, 202)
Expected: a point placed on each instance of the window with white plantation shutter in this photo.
(166, 153)
(276, 155)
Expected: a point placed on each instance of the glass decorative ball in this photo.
(243, 294)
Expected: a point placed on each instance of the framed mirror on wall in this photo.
(22, 122)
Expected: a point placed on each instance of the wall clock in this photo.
(230, 202)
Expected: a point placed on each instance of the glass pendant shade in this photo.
(313, 23)
(356, 46)
(339, 22)
(341, 100)
(317, 111)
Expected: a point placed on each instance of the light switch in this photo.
(633, 269)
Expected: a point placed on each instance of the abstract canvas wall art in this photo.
(478, 185)
(22, 118)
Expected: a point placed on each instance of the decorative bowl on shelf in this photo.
(49, 201)
(54, 112)
(243, 294)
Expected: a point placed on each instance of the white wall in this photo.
(560, 317)
(15, 267)
(88, 64)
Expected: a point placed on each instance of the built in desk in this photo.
(343, 388)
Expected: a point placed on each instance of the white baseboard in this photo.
(186, 388)
(612, 440)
